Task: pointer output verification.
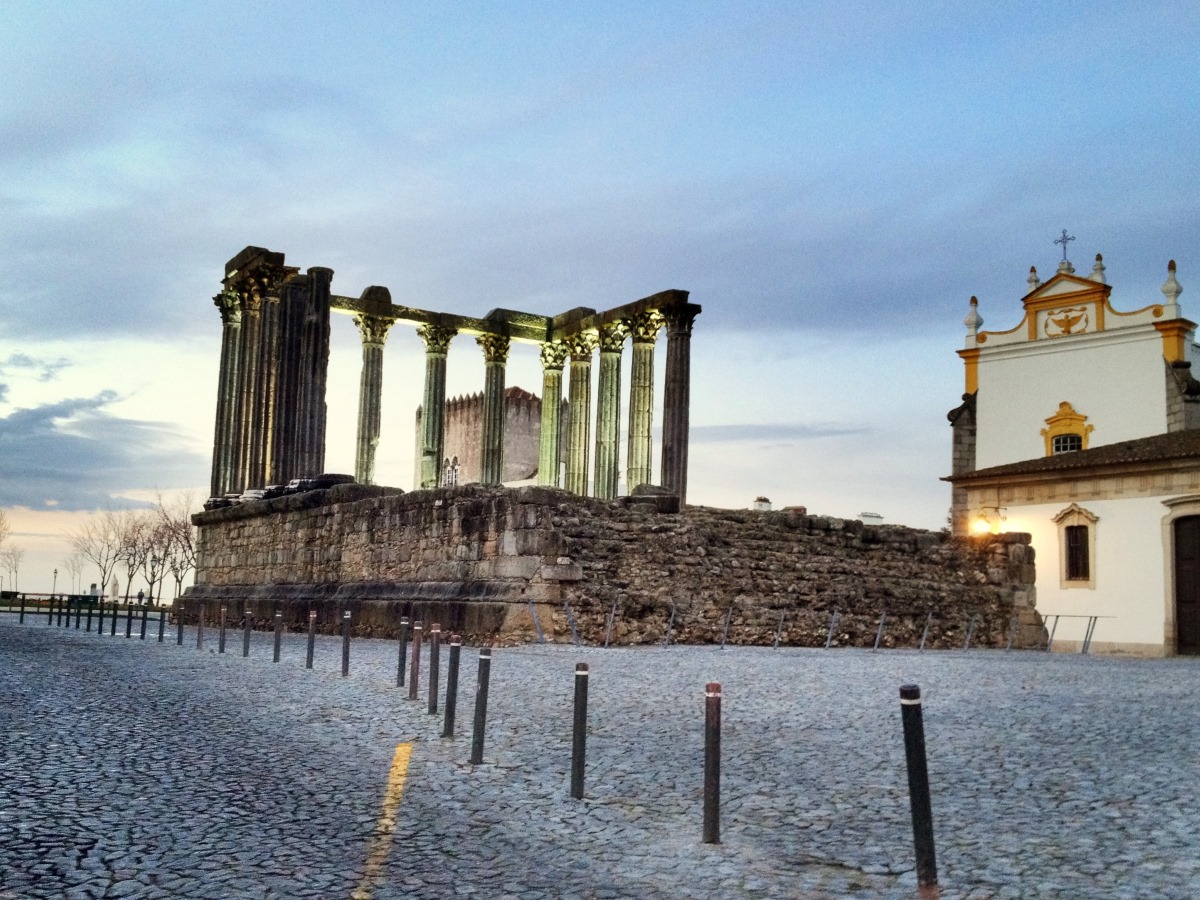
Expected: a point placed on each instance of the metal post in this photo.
(50, 613)
(415, 671)
(779, 630)
(100, 614)
(223, 616)
(925, 633)
(537, 625)
(89, 619)
(58, 623)
(1087, 640)
(128, 620)
(612, 618)
(178, 621)
(452, 686)
(113, 632)
(246, 623)
(879, 633)
(670, 626)
(712, 763)
(832, 624)
(918, 790)
(402, 655)
(312, 638)
(1053, 628)
(435, 652)
(345, 643)
(725, 632)
(145, 616)
(162, 622)
(481, 698)
(22, 619)
(78, 611)
(970, 633)
(200, 626)
(579, 730)
(278, 635)
(1012, 631)
(571, 623)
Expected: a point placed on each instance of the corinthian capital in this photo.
(554, 354)
(582, 346)
(230, 306)
(495, 348)
(612, 337)
(436, 338)
(645, 326)
(374, 329)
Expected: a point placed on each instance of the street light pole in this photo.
(54, 590)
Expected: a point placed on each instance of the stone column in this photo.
(495, 355)
(269, 361)
(643, 329)
(433, 408)
(374, 331)
(229, 305)
(676, 398)
(283, 450)
(608, 411)
(554, 354)
(248, 373)
(580, 425)
(313, 369)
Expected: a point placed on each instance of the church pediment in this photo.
(1063, 286)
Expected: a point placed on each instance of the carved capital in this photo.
(251, 303)
(582, 346)
(374, 329)
(495, 348)
(679, 319)
(230, 306)
(612, 337)
(554, 354)
(645, 326)
(436, 338)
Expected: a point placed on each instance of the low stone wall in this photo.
(485, 561)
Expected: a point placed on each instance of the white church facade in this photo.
(1081, 426)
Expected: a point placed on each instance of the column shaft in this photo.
(433, 407)
(495, 353)
(270, 366)
(231, 326)
(677, 398)
(370, 395)
(554, 354)
(644, 329)
(608, 411)
(247, 380)
(580, 424)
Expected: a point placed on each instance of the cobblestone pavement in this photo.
(134, 769)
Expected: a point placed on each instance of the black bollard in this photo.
(415, 671)
(178, 623)
(452, 686)
(435, 652)
(58, 623)
(481, 697)
(50, 613)
(162, 622)
(918, 790)
(345, 643)
(247, 622)
(278, 635)
(100, 613)
(22, 619)
(113, 632)
(78, 611)
(89, 618)
(200, 626)
(712, 763)
(222, 618)
(402, 655)
(128, 620)
(579, 731)
(312, 637)
(145, 615)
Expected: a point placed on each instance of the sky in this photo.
(830, 181)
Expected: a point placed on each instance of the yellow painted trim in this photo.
(1175, 335)
(971, 361)
(1155, 309)
(1066, 421)
(381, 843)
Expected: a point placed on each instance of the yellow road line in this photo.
(381, 843)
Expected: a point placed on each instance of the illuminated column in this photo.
(495, 355)
(433, 409)
(374, 331)
(676, 398)
(608, 411)
(554, 354)
(581, 347)
(269, 358)
(230, 308)
(643, 329)
(247, 386)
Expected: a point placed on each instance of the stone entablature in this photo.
(506, 549)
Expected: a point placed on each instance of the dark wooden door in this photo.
(1187, 583)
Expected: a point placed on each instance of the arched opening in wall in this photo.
(1186, 565)
(1076, 547)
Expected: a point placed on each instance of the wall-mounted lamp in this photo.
(988, 519)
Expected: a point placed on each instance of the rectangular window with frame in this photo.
(1078, 553)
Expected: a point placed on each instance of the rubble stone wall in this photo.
(485, 560)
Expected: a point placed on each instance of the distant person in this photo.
(141, 598)
(95, 591)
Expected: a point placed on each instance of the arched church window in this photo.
(1076, 547)
(1066, 431)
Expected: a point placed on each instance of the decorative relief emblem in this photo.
(1061, 322)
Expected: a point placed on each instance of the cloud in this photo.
(75, 454)
(769, 432)
(47, 370)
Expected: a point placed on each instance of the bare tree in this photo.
(5, 528)
(10, 559)
(98, 541)
(136, 541)
(73, 566)
(181, 550)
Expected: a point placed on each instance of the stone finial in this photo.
(1098, 270)
(1065, 268)
(1033, 281)
(973, 320)
(1172, 288)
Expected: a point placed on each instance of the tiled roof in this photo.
(1176, 445)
